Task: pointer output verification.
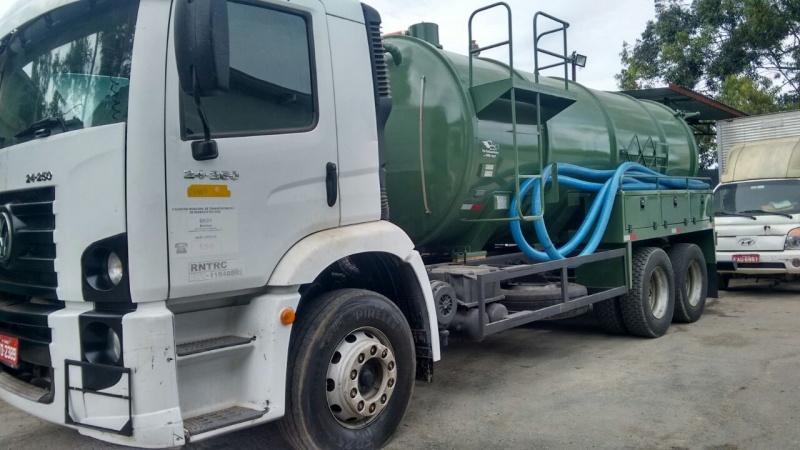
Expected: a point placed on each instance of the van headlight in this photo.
(793, 240)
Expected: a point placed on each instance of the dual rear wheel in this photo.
(666, 286)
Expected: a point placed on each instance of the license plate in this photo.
(746, 258)
(9, 349)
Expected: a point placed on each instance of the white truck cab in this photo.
(158, 235)
(757, 213)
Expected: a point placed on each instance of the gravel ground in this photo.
(729, 381)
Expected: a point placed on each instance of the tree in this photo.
(699, 43)
(744, 53)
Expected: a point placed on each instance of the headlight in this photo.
(103, 268)
(114, 268)
(101, 344)
(793, 240)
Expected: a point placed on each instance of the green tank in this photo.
(450, 159)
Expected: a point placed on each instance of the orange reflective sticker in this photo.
(208, 191)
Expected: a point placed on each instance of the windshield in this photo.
(67, 70)
(765, 196)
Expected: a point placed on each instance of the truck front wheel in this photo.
(350, 373)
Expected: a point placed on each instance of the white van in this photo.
(757, 209)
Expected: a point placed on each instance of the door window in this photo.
(271, 79)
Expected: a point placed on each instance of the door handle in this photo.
(331, 183)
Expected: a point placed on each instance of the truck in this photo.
(217, 214)
(757, 205)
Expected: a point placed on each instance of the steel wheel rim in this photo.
(694, 283)
(658, 293)
(446, 305)
(361, 378)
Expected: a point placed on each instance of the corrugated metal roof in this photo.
(680, 98)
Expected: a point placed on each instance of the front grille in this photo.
(31, 270)
(769, 265)
(28, 322)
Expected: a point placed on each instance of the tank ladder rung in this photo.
(549, 101)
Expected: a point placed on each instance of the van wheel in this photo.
(648, 307)
(723, 281)
(350, 373)
(691, 278)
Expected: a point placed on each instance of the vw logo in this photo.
(746, 242)
(6, 232)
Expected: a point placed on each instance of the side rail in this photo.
(509, 268)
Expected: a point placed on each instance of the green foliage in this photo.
(745, 53)
(700, 43)
(753, 96)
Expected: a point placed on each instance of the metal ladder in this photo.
(515, 88)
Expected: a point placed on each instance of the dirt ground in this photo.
(729, 381)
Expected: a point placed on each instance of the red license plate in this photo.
(746, 258)
(9, 349)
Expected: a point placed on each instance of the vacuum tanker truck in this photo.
(217, 214)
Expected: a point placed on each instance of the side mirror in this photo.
(202, 50)
(202, 53)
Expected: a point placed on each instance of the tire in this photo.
(528, 297)
(648, 307)
(691, 282)
(609, 315)
(723, 281)
(330, 337)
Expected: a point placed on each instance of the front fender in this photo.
(310, 256)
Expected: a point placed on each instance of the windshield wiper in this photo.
(736, 214)
(43, 128)
(760, 211)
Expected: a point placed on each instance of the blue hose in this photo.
(606, 183)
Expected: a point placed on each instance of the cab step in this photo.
(207, 345)
(220, 419)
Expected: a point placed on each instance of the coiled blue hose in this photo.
(606, 183)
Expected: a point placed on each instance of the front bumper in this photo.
(770, 263)
(112, 413)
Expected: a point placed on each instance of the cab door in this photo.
(231, 219)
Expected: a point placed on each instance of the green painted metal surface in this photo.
(449, 148)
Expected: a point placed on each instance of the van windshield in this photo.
(67, 70)
(762, 196)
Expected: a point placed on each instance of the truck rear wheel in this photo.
(609, 315)
(690, 281)
(648, 307)
(350, 373)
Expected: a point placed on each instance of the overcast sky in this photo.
(597, 28)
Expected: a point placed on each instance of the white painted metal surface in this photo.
(80, 161)
(278, 199)
(355, 123)
(144, 167)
